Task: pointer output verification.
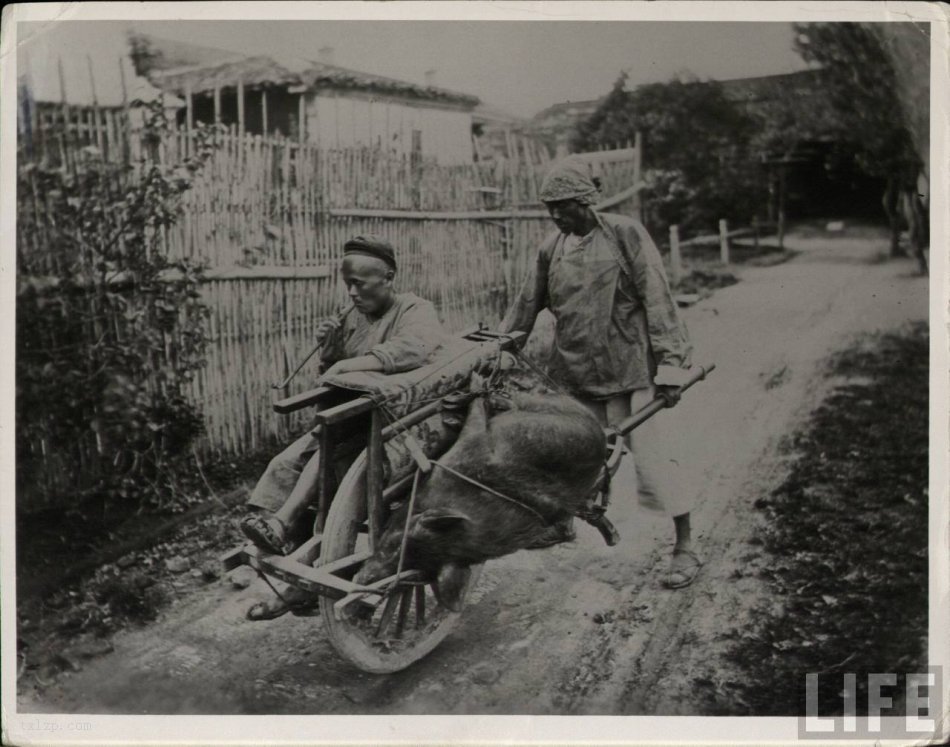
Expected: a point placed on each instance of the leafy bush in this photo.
(109, 329)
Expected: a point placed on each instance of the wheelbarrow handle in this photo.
(698, 373)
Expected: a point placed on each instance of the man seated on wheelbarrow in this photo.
(382, 331)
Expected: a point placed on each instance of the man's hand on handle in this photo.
(670, 394)
(669, 382)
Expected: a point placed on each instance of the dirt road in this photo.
(581, 628)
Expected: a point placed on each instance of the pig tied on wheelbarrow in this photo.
(522, 465)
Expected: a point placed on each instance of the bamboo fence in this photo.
(269, 217)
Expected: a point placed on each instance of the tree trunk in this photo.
(915, 215)
(891, 204)
(781, 207)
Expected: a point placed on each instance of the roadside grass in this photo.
(53, 542)
(74, 589)
(75, 621)
(846, 538)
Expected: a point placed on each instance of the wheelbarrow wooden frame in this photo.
(331, 580)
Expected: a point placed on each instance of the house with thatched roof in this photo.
(314, 101)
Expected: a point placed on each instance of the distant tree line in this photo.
(700, 165)
(873, 85)
(704, 152)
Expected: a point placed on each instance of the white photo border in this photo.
(467, 729)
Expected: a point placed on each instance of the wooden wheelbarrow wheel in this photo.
(401, 628)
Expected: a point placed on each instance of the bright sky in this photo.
(520, 67)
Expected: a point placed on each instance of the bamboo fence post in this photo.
(24, 106)
(189, 119)
(263, 112)
(110, 135)
(781, 207)
(217, 104)
(126, 141)
(240, 109)
(676, 259)
(134, 141)
(64, 136)
(724, 241)
(637, 174)
(95, 106)
(161, 149)
(39, 127)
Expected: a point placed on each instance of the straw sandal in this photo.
(682, 577)
(292, 600)
(268, 534)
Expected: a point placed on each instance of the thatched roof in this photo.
(493, 116)
(308, 75)
(155, 53)
(252, 71)
(323, 75)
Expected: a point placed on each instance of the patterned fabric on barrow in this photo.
(450, 371)
(402, 393)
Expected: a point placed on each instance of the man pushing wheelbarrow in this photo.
(618, 341)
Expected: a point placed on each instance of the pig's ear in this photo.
(450, 585)
(441, 520)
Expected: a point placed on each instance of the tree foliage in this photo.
(862, 86)
(907, 46)
(106, 346)
(696, 148)
(873, 104)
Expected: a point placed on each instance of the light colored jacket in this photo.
(403, 338)
(617, 326)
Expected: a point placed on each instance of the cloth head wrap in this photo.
(371, 246)
(569, 179)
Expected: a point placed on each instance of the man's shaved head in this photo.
(363, 264)
(369, 283)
